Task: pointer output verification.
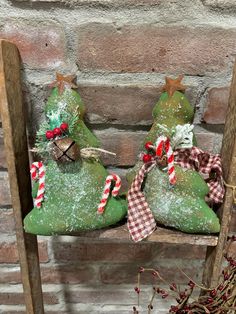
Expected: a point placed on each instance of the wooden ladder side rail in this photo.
(214, 255)
(15, 140)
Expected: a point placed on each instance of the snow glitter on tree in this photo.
(74, 175)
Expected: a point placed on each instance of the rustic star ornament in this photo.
(173, 85)
(63, 82)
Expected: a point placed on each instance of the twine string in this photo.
(233, 187)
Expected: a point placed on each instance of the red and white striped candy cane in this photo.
(164, 142)
(38, 173)
(107, 190)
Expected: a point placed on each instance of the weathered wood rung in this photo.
(160, 235)
(214, 256)
(15, 142)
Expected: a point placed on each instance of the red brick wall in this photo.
(121, 51)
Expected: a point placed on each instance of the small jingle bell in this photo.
(162, 162)
(64, 150)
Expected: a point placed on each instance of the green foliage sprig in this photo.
(42, 143)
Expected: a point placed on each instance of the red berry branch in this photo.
(51, 134)
(218, 300)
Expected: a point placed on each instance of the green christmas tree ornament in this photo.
(72, 190)
(167, 191)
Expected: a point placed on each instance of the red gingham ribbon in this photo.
(208, 165)
(141, 222)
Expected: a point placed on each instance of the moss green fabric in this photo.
(73, 190)
(182, 206)
(168, 113)
(71, 102)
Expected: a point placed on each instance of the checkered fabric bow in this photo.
(141, 222)
(206, 164)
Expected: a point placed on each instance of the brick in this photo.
(119, 104)
(43, 252)
(95, 252)
(41, 43)
(151, 48)
(5, 196)
(123, 104)
(122, 252)
(69, 274)
(127, 273)
(18, 298)
(220, 4)
(186, 252)
(10, 275)
(124, 143)
(7, 224)
(216, 105)
(9, 253)
(205, 141)
(102, 296)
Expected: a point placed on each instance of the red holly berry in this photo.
(64, 127)
(233, 263)
(182, 295)
(154, 273)
(213, 293)
(173, 286)
(165, 295)
(147, 158)
(226, 276)
(148, 145)
(57, 132)
(191, 284)
(141, 270)
(174, 309)
(49, 134)
(187, 308)
(136, 289)
(234, 238)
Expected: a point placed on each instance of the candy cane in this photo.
(38, 173)
(107, 190)
(164, 142)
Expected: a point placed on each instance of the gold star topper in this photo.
(173, 85)
(63, 82)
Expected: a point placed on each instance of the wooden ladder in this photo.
(15, 140)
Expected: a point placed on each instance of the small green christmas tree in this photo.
(73, 185)
(182, 206)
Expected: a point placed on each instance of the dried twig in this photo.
(220, 300)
